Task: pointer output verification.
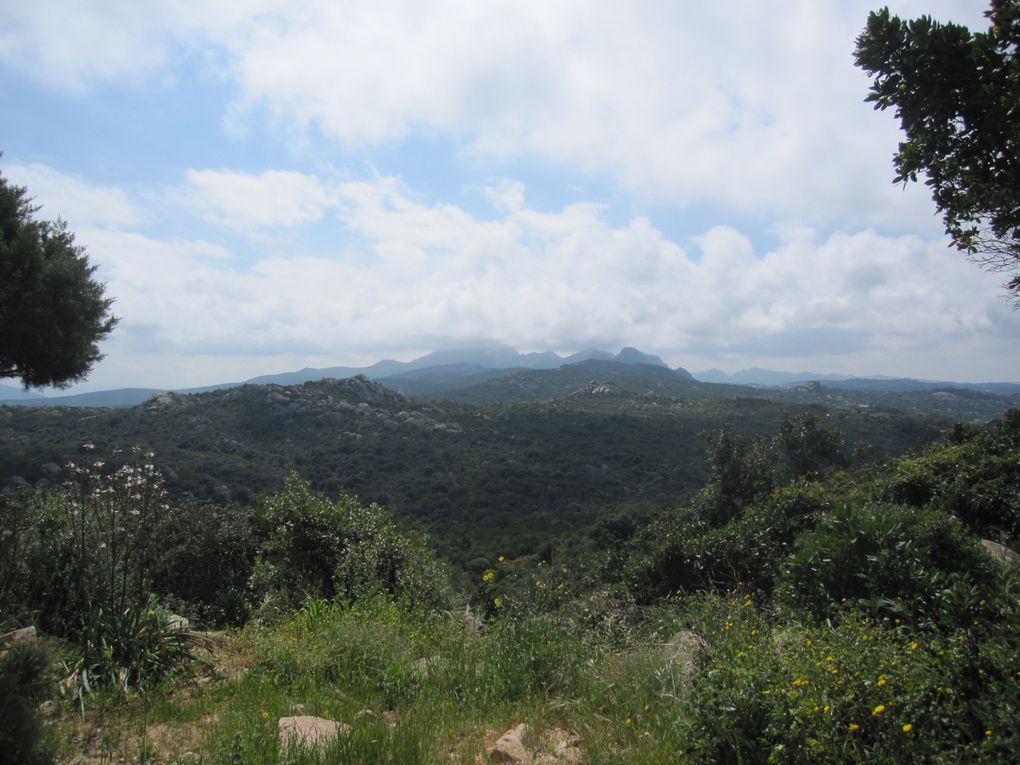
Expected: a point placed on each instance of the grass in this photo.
(767, 689)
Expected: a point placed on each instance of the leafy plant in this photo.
(888, 558)
(341, 549)
(132, 649)
(25, 681)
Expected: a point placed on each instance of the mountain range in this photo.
(459, 373)
(456, 367)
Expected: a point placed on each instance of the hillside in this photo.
(478, 478)
(515, 386)
(841, 618)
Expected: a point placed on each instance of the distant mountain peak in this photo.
(631, 355)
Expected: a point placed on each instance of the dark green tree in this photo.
(53, 313)
(957, 96)
(812, 448)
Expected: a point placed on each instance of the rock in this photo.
(178, 622)
(307, 731)
(685, 653)
(361, 713)
(510, 747)
(391, 718)
(599, 388)
(1001, 553)
(23, 636)
(162, 401)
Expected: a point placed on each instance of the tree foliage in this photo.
(53, 313)
(957, 96)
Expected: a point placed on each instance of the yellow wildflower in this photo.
(488, 576)
(854, 726)
(878, 710)
(907, 727)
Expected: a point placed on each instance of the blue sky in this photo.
(268, 185)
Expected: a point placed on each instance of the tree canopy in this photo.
(957, 95)
(53, 313)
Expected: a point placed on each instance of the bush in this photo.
(855, 691)
(903, 561)
(24, 682)
(80, 560)
(36, 582)
(976, 478)
(341, 549)
(204, 561)
(682, 554)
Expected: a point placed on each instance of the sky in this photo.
(266, 185)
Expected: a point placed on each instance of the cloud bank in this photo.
(407, 275)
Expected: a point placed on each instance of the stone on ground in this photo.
(307, 731)
(510, 747)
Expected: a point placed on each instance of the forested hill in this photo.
(510, 386)
(501, 476)
(472, 384)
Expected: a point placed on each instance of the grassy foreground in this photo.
(418, 688)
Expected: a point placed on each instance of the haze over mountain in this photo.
(769, 378)
(462, 366)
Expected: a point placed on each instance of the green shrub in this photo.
(36, 578)
(903, 561)
(25, 681)
(204, 560)
(341, 549)
(680, 554)
(853, 692)
(976, 478)
(131, 649)
(80, 560)
(765, 689)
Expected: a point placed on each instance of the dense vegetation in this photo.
(478, 479)
(800, 606)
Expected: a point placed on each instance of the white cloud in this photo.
(747, 105)
(241, 200)
(419, 273)
(78, 202)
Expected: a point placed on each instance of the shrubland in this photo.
(800, 607)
